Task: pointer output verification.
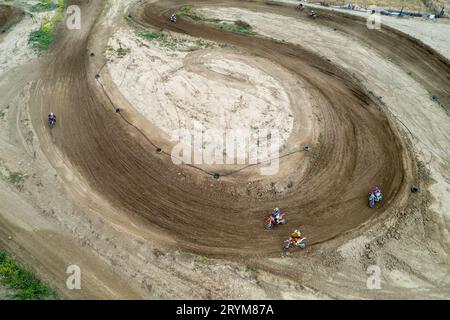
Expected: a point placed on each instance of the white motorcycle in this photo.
(292, 243)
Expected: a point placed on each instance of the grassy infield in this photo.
(43, 38)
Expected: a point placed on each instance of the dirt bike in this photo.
(173, 18)
(291, 243)
(374, 196)
(312, 15)
(270, 221)
(51, 123)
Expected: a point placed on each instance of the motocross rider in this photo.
(295, 236)
(376, 193)
(276, 214)
(52, 117)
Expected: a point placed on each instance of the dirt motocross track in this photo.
(362, 146)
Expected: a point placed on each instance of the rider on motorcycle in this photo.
(376, 194)
(295, 236)
(173, 17)
(276, 215)
(52, 117)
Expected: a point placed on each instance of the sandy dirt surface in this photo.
(93, 192)
(427, 122)
(216, 88)
(184, 83)
(207, 222)
(428, 125)
(431, 32)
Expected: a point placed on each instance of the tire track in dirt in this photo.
(362, 147)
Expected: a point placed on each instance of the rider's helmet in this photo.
(52, 114)
(274, 213)
(297, 233)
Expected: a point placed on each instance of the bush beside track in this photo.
(22, 283)
(43, 38)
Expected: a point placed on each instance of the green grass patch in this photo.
(238, 26)
(2, 115)
(202, 43)
(196, 18)
(273, 186)
(43, 38)
(16, 178)
(46, 5)
(249, 268)
(150, 35)
(177, 42)
(201, 259)
(321, 139)
(187, 11)
(119, 52)
(26, 285)
(423, 172)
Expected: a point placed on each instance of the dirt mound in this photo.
(8, 14)
(361, 146)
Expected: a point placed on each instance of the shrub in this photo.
(43, 38)
(239, 27)
(25, 284)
